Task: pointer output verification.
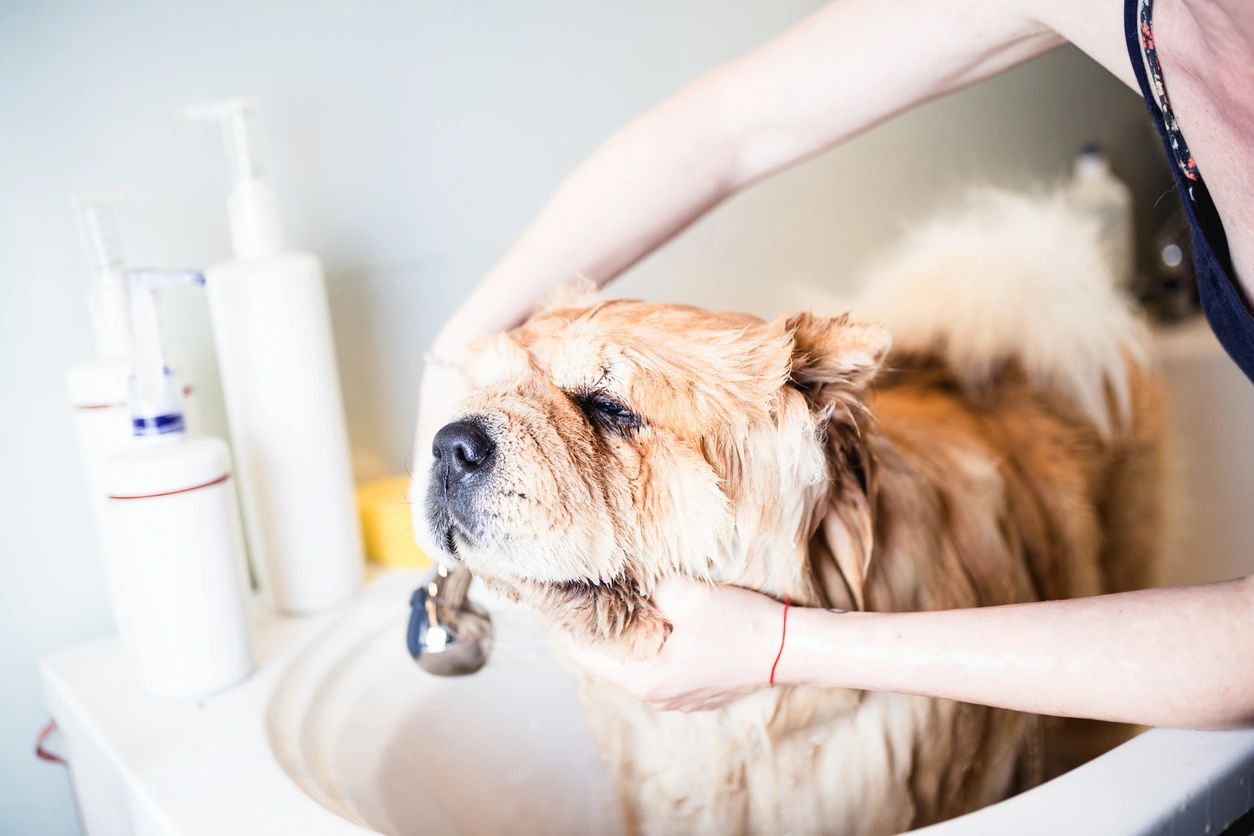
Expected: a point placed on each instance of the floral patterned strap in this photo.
(1179, 148)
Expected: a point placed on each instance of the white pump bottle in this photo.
(172, 530)
(99, 387)
(1096, 192)
(272, 328)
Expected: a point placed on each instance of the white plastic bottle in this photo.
(98, 388)
(172, 530)
(272, 328)
(1096, 191)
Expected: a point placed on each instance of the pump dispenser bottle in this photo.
(98, 387)
(272, 328)
(1096, 192)
(172, 530)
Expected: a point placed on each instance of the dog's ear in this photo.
(834, 360)
(833, 351)
(848, 537)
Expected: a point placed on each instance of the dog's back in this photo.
(1017, 449)
(1007, 309)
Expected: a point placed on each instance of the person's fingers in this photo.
(675, 595)
(596, 662)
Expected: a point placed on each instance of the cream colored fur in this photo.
(1012, 275)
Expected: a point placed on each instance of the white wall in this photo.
(410, 141)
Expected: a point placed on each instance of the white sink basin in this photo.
(373, 738)
(359, 726)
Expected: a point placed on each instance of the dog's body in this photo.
(972, 508)
(1000, 454)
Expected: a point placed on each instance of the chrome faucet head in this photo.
(449, 635)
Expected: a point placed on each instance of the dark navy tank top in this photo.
(1225, 305)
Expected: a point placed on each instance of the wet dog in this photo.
(983, 432)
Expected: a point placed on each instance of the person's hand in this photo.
(723, 644)
(443, 388)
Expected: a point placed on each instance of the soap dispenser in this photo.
(272, 329)
(172, 529)
(1096, 192)
(98, 386)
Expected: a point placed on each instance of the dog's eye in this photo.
(608, 407)
(604, 410)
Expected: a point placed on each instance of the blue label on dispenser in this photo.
(157, 425)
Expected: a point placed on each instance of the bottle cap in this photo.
(1091, 162)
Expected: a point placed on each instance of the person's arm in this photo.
(850, 66)
(1163, 657)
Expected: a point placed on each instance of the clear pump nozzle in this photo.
(98, 227)
(240, 132)
(156, 396)
(97, 220)
(252, 206)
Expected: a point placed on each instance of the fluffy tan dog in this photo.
(1004, 451)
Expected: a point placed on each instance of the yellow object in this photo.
(386, 526)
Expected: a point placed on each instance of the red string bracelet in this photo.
(783, 635)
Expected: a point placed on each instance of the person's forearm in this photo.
(848, 67)
(1174, 657)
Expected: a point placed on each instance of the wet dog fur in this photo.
(984, 431)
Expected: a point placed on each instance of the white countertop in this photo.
(191, 766)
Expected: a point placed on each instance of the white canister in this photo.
(177, 555)
(1097, 193)
(272, 331)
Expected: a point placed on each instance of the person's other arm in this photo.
(1159, 657)
(848, 67)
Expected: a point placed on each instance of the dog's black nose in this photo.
(462, 448)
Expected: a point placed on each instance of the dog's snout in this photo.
(462, 448)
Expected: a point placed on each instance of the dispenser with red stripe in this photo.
(172, 529)
(98, 387)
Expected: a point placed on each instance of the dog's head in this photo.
(608, 445)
